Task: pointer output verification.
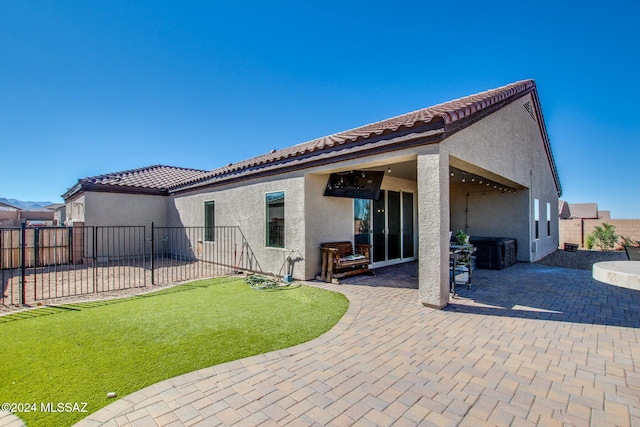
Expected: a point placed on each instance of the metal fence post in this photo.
(153, 281)
(95, 259)
(23, 256)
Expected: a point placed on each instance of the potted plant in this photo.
(632, 248)
(462, 238)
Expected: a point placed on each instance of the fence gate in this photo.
(44, 263)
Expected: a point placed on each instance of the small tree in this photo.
(605, 237)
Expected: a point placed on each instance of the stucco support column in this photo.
(433, 229)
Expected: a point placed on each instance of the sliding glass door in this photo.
(387, 223)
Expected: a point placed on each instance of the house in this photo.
(59, 212)
(482, 163)
(14, 216)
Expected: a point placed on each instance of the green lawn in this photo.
(78, 353)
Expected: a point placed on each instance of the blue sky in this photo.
(101, 86)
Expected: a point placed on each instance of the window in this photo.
(275, 219)
(548, 219)
(536, 216)
(362, 221)
(209, 221)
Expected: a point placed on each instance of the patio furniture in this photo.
(495, 253)
(461, 262)
(571, 247)
(633, 253)
(339, 260)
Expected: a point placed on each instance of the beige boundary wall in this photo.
(577, 230)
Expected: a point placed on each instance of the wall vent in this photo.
(527, 106)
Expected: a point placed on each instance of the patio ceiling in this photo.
(478, 182)
(476, 179)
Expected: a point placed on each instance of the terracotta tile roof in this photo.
(442, 116)
(430, 124)
(151, 179)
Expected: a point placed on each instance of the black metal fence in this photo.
(46, 263)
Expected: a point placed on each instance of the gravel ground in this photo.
(581, 260)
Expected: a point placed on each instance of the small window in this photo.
(209, 221)
(548, 219)
(536, 216)
(275, 220)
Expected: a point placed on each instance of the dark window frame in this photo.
(210, 221)
(275, 225)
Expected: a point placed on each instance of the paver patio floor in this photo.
(528, 345)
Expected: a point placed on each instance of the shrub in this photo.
(605, 236)
(590, 241)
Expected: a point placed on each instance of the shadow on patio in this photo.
(527, 291)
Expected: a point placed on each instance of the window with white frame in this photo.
(536, 217)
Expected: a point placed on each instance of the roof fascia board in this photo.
(97, 188)
(547, 144)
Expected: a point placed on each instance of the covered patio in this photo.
(446, 194)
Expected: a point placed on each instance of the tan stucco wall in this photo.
(114, 209)
(508, 143)
(491, 214)
(328, 219)
(310, 217)
(75, 210)
(244, 205)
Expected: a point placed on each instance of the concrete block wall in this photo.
(577, 230)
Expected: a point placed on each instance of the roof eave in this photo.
(84, 187)
(424, 135)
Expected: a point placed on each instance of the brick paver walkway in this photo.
(529, 345)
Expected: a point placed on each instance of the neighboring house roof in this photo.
(563, 210)
(584, 210)
(426, 126)
(8, 206)
(55, 206)
(148, 180)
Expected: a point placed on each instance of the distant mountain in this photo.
(27, 206)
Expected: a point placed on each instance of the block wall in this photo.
(577, 230)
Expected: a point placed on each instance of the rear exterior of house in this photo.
(482, 164)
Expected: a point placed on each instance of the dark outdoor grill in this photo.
(494, 253)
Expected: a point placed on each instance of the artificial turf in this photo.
(78, 353)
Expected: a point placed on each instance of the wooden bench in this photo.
(339, 260)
